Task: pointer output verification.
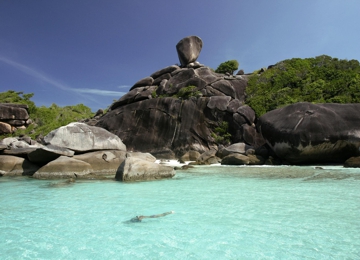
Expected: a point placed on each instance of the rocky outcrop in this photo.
(178, 109)
(23, 156)
(182, 113)
(135, 169)
(305, 133)
(13, 117)
(81, 137)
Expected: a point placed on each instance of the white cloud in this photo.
(34, 73)
(124, 87)
(99, 92)
(43, 77)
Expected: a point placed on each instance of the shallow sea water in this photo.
(220, 213)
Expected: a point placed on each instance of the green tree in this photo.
(229, 66)
(220, 134)
(322, 79)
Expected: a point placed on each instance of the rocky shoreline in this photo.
(78, 151)
(186, 112)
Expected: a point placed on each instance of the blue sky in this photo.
(92, 51)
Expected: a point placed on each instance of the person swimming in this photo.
(140, 218)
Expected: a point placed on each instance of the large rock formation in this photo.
(176, 110)
(20, 157)
(313, 133)
(166, 123)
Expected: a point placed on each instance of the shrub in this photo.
(221, 135)
(186, 92)
(153, 94)
(228, 67)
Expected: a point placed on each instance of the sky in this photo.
(93, 51)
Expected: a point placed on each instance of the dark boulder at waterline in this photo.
(305, 133)
(353, 162)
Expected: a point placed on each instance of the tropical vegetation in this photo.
(45, 119)
(322, 79)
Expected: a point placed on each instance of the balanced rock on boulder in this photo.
(188, 49)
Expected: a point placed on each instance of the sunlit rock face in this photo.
(313, 133)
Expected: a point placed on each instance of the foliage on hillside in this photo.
(322, 79)
(45, 119)
(228, 67)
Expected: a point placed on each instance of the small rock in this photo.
(235, 159)
(5, 128)
(148, 81)
(190, 156)
(353, 162)
(133, 169)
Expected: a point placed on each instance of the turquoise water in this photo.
(220, 213)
